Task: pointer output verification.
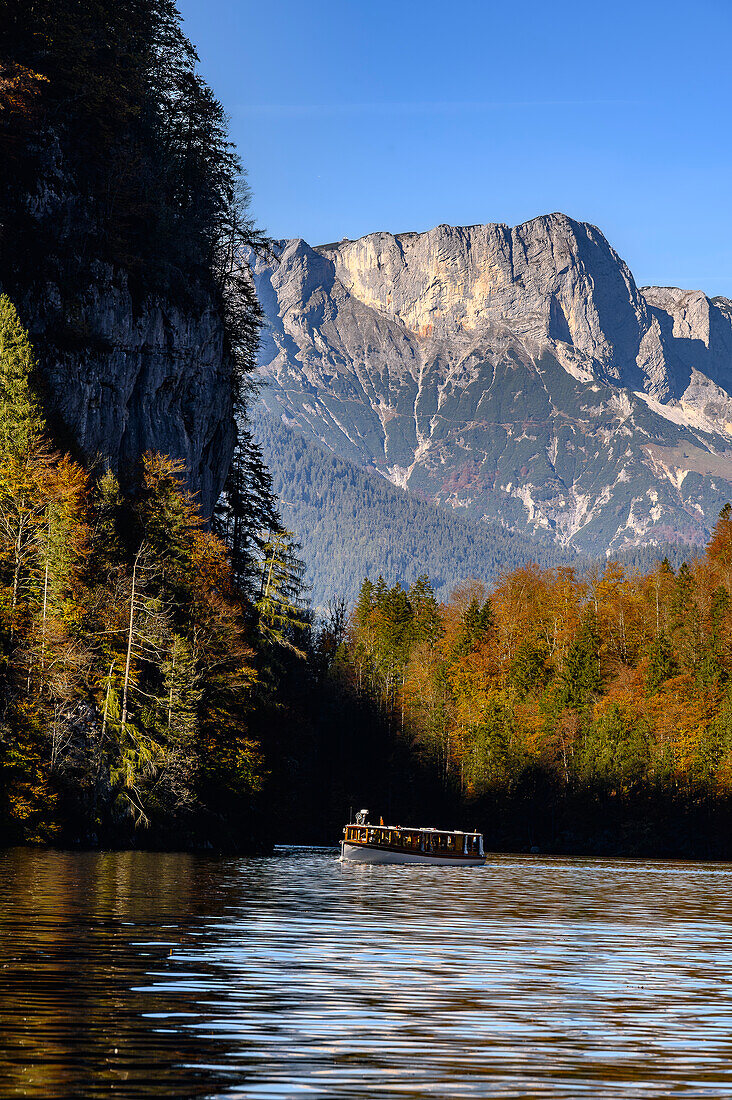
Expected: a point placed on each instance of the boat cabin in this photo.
(424, 841)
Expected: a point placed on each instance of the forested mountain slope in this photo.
(354, 524)
(516, 375)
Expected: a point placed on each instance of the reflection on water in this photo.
(137, 974)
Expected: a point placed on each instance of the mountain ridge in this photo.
(516, 374)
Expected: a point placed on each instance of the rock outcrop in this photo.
(121, 377)
(516, 374)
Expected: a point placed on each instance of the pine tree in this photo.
(247, 512)
(21, 422)
(477, 625)
(107, 550)
(529, 668)
(426, 624)
(365, 604)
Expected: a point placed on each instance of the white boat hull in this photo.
(357, 853)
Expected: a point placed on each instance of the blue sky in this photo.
(358, 115)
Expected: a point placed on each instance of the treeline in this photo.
(560, 706)
(131, 652)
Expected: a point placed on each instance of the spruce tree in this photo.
(529, 668)
(477, 625)
(364, 604)
(22, 425)
(662, 663)
(426, 625)
(246, 512)
(581, 673)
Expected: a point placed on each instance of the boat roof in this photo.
(417, 829)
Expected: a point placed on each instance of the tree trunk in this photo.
(128, 658)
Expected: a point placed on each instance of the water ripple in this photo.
(139, 974)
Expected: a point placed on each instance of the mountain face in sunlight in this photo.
(514, 375)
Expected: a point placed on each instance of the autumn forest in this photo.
(164, 680)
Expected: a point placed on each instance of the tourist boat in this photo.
(365, 843)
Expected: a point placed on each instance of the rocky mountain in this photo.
(352, 524)
(514, 375)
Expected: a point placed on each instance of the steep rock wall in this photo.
(514, 374)
(120, 377)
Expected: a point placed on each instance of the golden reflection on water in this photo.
(143, 974)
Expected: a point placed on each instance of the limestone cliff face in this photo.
(550, 279)
(121, 377)
(517, 374)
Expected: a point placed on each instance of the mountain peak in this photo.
(551, 278)
(514, 372)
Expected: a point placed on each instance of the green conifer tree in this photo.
(426, 624)
(477, 625)
(662, 664)
(22, 426)
(529, 669)
(281, 602)
(581, 679)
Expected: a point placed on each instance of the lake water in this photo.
(137, 974)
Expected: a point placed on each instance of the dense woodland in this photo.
(162, 679)
(353, 523)
(566, 709)
(116, 594)
(128, 644)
